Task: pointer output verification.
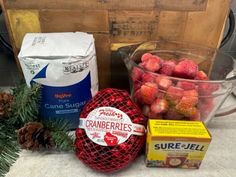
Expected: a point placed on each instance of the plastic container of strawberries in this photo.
(180, 81)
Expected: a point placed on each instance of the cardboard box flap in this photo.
(170, 128)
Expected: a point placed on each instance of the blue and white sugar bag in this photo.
(65, 65)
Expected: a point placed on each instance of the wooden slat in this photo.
(205, 28)
(182, 5)
(74, 20)
(22, 22)
(132, 26)
(109, 4)
(86, 4)
(102, 43)
(171, 25)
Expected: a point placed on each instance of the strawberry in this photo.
(167, 67)
(190, 97)
(160, 94)
(145, 110)
(159, 106)
(174, 94)
(110, 139)
(205, 108)
(196, 116)
(147, 77)
(186, 69)
(136, 74)
(185, 110)
(186, 106)
(163, 82)
(152, 64)
(206, 89)
(138, 97)
(186, 85)
(172, 114)
(148, 92)
(152, 115)
(201, 75)
(136, 85)
(206, 100)
(146, 56)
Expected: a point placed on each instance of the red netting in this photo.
(110, 158)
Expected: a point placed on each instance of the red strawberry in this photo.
(174, 94)
(185, 110)
(167, 67)
(160, 95)
(172, 114)
(146, 56)
(136, 74)
(152, 64)
(147, 77)
(206, 89)
(159, 106)
(110, 139)
(205, 108)
(201, 76)
(163, 82)
(190, 96)
(186, 106)
(206, 100)
(152, 115)
(146, 110)
(196, 116)
(186, 85)
(186, 69)
(138, 97)
(136, 85)
(191, 93)
(148, 92)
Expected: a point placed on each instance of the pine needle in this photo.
(9, 148)
(25, 104)
(60, 134)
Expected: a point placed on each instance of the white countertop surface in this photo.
(220, 159)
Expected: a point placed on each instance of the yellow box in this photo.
(181, 144)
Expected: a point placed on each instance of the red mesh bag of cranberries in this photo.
(111, 132)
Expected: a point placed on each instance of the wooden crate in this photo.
(115, 23)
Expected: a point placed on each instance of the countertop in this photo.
(220, 159)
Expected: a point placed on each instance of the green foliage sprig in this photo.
(9, 148)
(25, 109)
(60, 134)
(25, 105)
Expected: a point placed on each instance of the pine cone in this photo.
(6, 100)
(33, 136)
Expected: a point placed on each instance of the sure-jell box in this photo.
(176, 144)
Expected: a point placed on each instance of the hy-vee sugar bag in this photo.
(66, 67)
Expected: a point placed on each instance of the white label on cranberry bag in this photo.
(108, 126)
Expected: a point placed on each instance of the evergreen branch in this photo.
(63, 140)
(25, 105)
(60, 134)
(9, 148)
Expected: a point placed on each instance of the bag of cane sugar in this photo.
(66, 67)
